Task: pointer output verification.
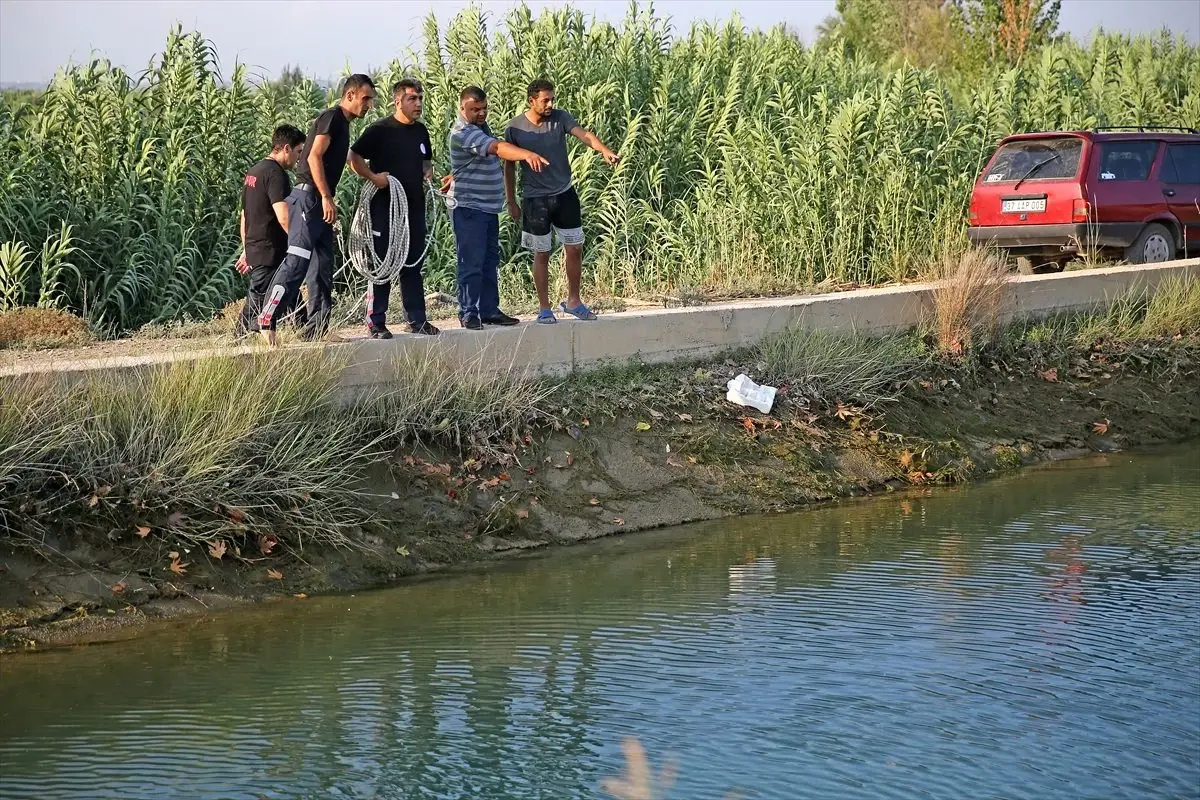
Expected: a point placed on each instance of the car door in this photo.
(1180, 180)
(1123, 191)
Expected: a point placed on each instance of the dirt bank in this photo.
(630, 449)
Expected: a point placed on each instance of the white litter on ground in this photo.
(745, 392)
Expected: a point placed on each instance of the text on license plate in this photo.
(1016, 206)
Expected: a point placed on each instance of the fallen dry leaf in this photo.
(176, 566)
(643, 426)
(217, 549)
(1050, 375)
(522, 513)
(267, 543)
(142, 531)
(570, 459)
(748, 424)
(618, 521)
(906, 459)
(684, 417)
(691, 459)
(300, 596)
(95, 501)
(274, 573)
(1101, 427)
(656, 414)
(117, 588)
(237, 515)
(593, 502)
(673, 462)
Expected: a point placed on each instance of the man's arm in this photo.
(281, 214)
(510, 152)
(510, 189)
(317, 168)
(427, 169)
(593, 141)
(360, 167)
(241, 265)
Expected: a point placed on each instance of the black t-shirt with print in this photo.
(398, 149)
(265, 183)
(332, 122)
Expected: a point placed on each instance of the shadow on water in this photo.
(1032, 636)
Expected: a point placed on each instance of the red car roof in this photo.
(1101, 136)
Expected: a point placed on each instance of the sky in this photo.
(324, 36)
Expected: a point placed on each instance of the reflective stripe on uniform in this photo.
(299, 251)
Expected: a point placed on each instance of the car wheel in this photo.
(1154, 245)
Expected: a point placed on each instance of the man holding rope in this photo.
(397, 146)
(548, 200)
(264, 221)
(312, 211)
(477, 198)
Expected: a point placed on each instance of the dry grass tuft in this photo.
(968, 299)
(31, 328)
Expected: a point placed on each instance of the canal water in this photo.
(1036, 636)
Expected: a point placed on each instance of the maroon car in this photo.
(1131, 194)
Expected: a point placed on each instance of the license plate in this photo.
(1019, 206)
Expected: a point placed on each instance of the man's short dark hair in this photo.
(286, 136)
(539, 86)
(357, 82)
(399, 87)
(473, 93)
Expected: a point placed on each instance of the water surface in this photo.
(1032, 637)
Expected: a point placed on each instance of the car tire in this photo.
(1027, 265)
(1154, 244)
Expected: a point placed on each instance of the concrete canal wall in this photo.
(661, 335)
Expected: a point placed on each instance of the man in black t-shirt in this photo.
(311, 204)
(398, 146)
(264, 220)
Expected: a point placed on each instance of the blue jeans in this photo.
(477, 239)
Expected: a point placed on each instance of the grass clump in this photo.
(189, 446)
(36, 328)
(967, 300)
(831, 367)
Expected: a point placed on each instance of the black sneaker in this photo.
(501, 318)
(473, 323)
(380, 332)
(424, 328)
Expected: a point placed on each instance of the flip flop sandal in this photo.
(579, 312)
(546, 317)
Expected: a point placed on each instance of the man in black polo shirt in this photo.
(398, 146)
(312, 207)
(264, 220)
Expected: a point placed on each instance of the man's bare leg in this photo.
(573, 256)
(541, 278)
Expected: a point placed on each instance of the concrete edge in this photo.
(661, 335)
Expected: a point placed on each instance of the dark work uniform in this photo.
(309, 255)
(266, 241)
(400, 150)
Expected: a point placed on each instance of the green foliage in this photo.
(750, 161)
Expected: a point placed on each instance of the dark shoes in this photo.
(501, 319)
(379, 333)
(423, 328)
(472, 323)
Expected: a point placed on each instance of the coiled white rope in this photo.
(362, 255)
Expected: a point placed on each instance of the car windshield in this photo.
(1058, 158)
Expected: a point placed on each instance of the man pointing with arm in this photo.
(477, 195)
(548, 200)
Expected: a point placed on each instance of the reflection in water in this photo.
(1031, 637)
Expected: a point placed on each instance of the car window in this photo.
(1182, 164)
(1035, 159)
(1127, 161)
